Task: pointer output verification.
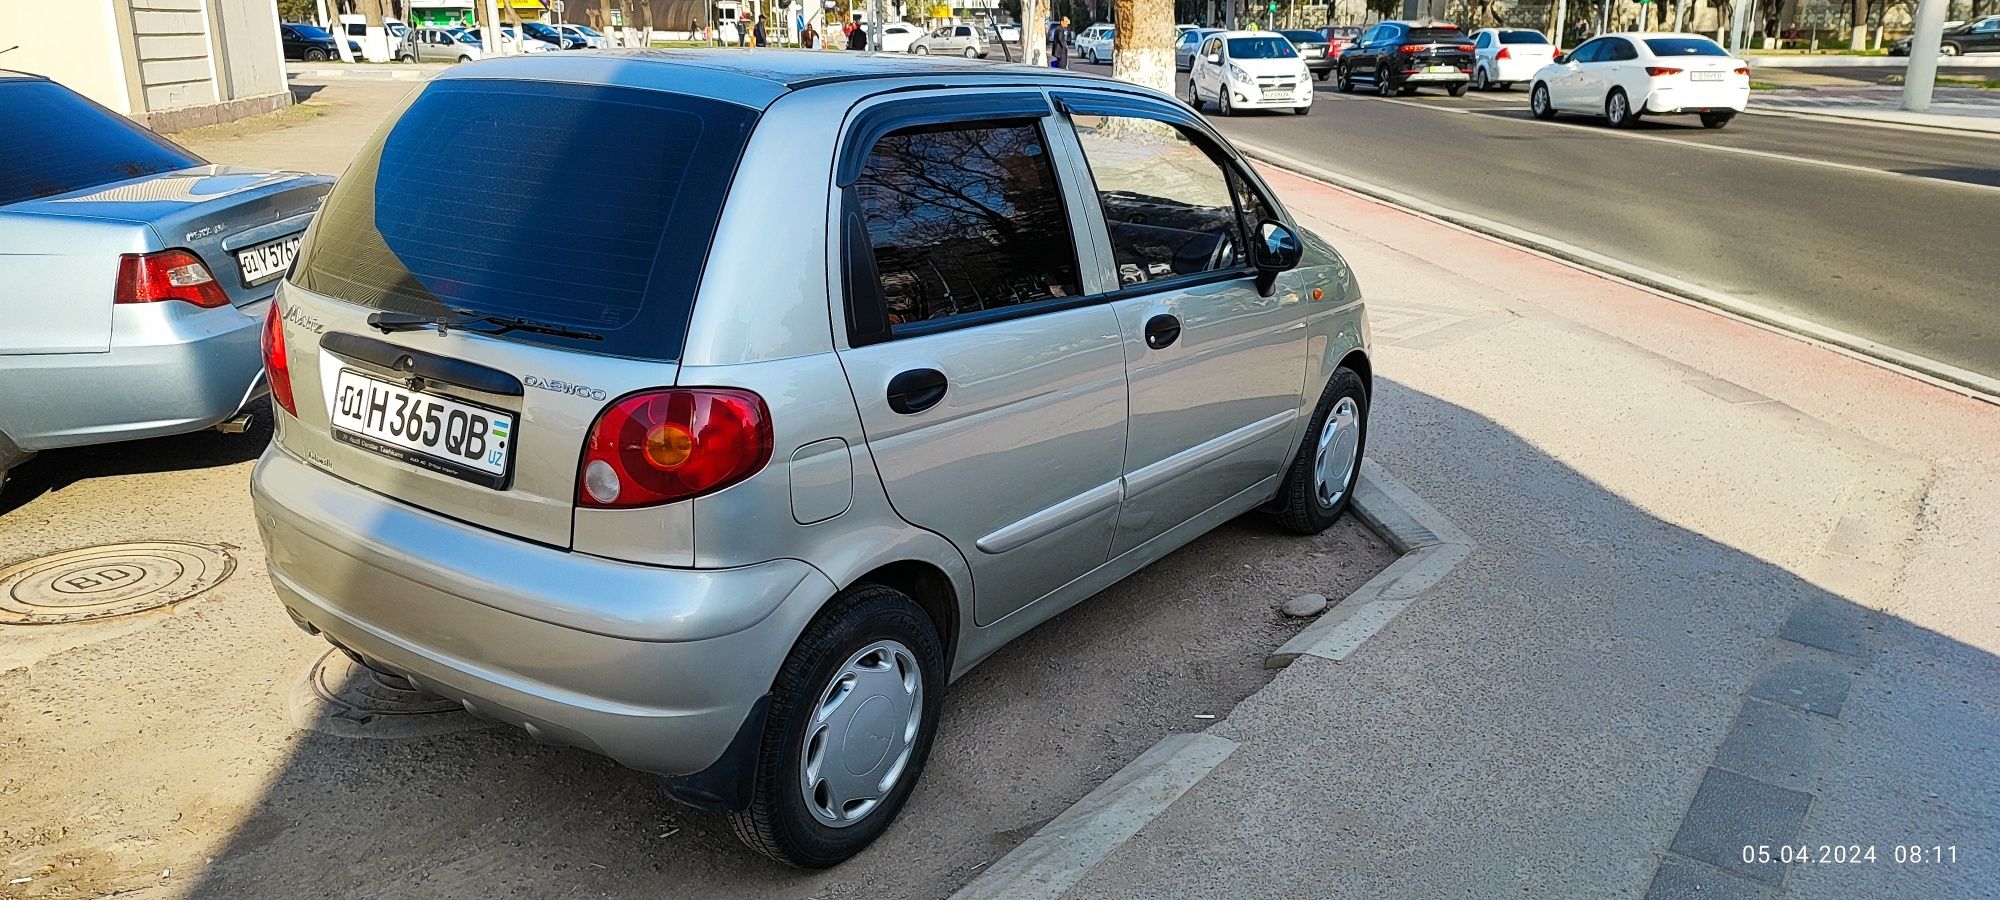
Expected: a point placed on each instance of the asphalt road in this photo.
(1888, 234)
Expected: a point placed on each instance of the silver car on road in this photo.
(135, 275)
(728, 472)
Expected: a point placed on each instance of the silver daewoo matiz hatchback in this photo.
(714, 411)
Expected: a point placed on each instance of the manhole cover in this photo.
(112, 580)
(340, 696)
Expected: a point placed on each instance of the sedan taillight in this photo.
(667, 445)
(1742, 70)
(167, 275)
(1662, 71)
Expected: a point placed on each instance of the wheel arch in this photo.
(931, 587)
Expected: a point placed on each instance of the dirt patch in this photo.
(170, 748)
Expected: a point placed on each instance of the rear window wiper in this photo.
(462, 318)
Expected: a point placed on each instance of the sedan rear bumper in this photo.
(1715, 98)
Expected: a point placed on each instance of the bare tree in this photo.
(1142, 45)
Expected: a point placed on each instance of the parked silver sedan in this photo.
(136, 275)
(609, 474)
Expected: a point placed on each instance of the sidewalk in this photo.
(1726, 589)
(1962, 109)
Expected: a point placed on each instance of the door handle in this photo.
(1162, 330)
(916, 390)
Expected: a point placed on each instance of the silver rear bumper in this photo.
(654, 667)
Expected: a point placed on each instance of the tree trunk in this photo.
(604, 12)
(1858, 34)
(1034, 32)
(1142, 47)
(374, 38)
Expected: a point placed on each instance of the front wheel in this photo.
(1716, 120)
(1302, 110)
(852, 716)
(923, 51)
(315, 55)
(1539, 103)
(1319, 484)
(1948, 50)
(465, 58)
(1194, 96)
(1222, 104)
(1343, 82)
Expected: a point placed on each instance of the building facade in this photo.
(168, 64)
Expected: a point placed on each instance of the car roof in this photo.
(12, 75)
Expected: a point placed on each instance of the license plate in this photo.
(430, 431)
(267, 260)
(1442, 69)
(1705, 76)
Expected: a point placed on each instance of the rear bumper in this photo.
(172, 368)
(1668, 101)
(1319, 64)
(1512, 71)
(1432, 77)
(656, 668)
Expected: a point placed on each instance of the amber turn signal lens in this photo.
(667, 446)
(1317, 293)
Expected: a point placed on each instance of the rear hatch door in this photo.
(486, 423)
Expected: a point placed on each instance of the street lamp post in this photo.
(1921, 75)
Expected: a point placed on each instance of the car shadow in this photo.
(485, 813)
(53, 470)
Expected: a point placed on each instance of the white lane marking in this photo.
(1608, 131)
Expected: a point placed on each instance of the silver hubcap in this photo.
(1617, 107)
(1541, 99)
(1339, 444)
(861, 733)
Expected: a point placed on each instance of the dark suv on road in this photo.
(1399, 57)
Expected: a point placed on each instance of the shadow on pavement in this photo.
(1679, 619)
(54, 470)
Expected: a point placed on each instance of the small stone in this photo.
(1305, 606)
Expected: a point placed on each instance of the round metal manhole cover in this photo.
(340, 696)
(112, 580)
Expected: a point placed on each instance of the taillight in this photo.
(673, 444)
(1414, 48)
(1742, 70)
(1503, 54)
(166, 275)
(276, 369)
(1465, 48)
(1657, 71)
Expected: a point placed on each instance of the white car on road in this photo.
(1503, 56)
(1624, 76)
(1250, 70)
(1094, 44)
(898, 36)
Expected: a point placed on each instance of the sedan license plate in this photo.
(1436, 69)
(430, 431)
(1704, 76)
(267, 260)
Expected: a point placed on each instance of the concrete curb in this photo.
(1065, 850)
(1934, 372)
(1431, 546)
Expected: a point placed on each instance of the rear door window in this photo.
(966, 218)
(57, 142)
(483, 197)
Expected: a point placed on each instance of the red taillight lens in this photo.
(1503, 54)
(1465, 48)
(667, 445)
(166, 275)
(1657, 71)
(276, 370)
(1414, 48)
(1742, 70)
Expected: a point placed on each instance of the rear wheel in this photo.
(1618, 109)
(853, 712)
(1319, 485)
(1716, 120)
(1382, 85)
(1539, 104)
(971, 54)
(1479, 80)
(1456, 90)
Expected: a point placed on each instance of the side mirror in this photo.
(1215, 59)
(1276, 251)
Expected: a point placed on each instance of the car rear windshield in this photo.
(1684, 47)
(1522, 36)
(583, 206)
(1261, 48)
(1304, 37)
(1434, 36)
(58, 142)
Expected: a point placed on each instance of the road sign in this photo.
(1273, 7)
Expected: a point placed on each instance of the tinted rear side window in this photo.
(1684, 47)
(55, 142)
(488, 197)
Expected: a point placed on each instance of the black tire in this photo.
(1305, 110)
(465, 58)
(1539, 103)
(1618, 109)
(1222, 105)
(1949, 49)
(1479, 80)
(777, 822)
(1194, 96)
(1321, 76)
(922, 51)
(1383, 86)
(1299, 509)
(1716, 120)
(1456, 90)
(971, 53)
(1343, 82)
(315, 55)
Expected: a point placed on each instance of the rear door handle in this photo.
(1162, 331)
(916, 390)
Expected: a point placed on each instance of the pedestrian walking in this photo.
(809, 38)
(857, 37)
(1060, 39)
(757, 35)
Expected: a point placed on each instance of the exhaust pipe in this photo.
(235, 425)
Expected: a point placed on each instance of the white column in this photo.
(1921, 76)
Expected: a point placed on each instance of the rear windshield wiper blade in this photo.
(463, 318)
